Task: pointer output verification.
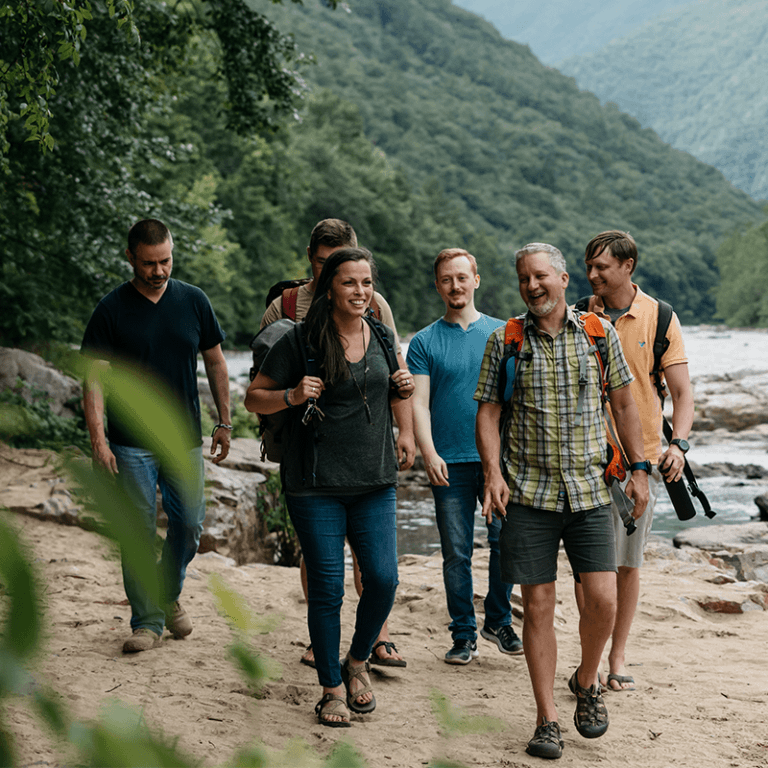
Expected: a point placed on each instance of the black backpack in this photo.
(272, 427)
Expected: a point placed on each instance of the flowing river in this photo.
(711, 350)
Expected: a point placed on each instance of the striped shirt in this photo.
(547, 456)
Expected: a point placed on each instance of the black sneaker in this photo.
(463, 652)
(546, 741)
(505, 638)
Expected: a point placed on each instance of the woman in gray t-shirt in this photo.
(339, 469)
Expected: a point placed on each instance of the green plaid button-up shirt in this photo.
(547, 457)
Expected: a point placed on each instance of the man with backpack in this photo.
(611, 259)
(445, 360)
(542, 443)
(292, 301)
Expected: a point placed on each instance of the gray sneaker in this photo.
(505, 638)
(142, 639)
(463, 652)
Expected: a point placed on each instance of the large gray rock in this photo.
(36, 373)
(717, 537)
(735, 401)
(743, 548)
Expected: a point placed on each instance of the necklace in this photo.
(364, 391)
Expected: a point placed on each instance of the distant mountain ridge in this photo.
(519, 152)
(559, 29)
(699, 77)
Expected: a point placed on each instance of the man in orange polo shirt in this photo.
(610, 259)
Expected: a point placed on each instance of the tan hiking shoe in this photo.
(179, 624)
(142, 639)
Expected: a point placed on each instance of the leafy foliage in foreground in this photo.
(122, 736)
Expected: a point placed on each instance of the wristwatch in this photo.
(645, 465)
(681, 444)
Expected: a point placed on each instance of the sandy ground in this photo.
(702, 678)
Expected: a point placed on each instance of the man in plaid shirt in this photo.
(548, 483)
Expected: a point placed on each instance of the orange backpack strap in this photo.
(290, 296)
(375, 308)
(513, 333)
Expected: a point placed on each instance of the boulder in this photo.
(728, 537)
(762, 505)
(734, 401)
(37, 374)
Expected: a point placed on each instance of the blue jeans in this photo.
(322, 523)
(455, 506)
(139, 474)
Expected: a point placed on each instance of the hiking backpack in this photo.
(272, 427)
(289, 291)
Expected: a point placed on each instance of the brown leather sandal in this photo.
(331, 704)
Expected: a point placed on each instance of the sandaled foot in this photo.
(547, 741)
(309, 657)
(620, 683)
(389, 656)
(359, 672)
(591, 715)
(332, 711)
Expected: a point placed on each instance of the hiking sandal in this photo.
(591, 715)
(331, 704)
(347, 673)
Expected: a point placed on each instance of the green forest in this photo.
(665, 74)
(243, 124)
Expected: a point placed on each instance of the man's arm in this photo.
(437, 469)
(402, 410)
(218, 379)
(630, 433)
(488, 440)
(93, 410)
(678, 380)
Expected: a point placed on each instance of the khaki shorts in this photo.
(629, 549)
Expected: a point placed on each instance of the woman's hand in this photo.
(403, 380)
(309, 386)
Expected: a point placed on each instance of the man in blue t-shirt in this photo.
(157, 326)
(445, 359)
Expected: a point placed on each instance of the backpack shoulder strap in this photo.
(513, 344)
(582, 305)
(378, 330)
(375, 308)
(595, 331)
(290, 296)
(660, 345)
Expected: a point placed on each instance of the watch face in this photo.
(682, 445)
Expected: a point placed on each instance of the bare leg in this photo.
(382, 652)
(540, 645)
(628, 583)
(596, 622)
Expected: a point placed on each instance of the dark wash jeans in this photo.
(455, 506)
(322, 523)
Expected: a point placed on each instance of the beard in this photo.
(540, 310)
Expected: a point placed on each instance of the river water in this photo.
(711, 350)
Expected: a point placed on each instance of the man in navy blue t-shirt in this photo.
(157, 325)
(445, 359)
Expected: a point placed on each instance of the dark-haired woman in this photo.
(339, 469)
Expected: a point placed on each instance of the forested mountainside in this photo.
(516, 147)
(697, 76)
(558, 29)
(421, 125)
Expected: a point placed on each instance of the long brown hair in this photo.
(322, 333)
